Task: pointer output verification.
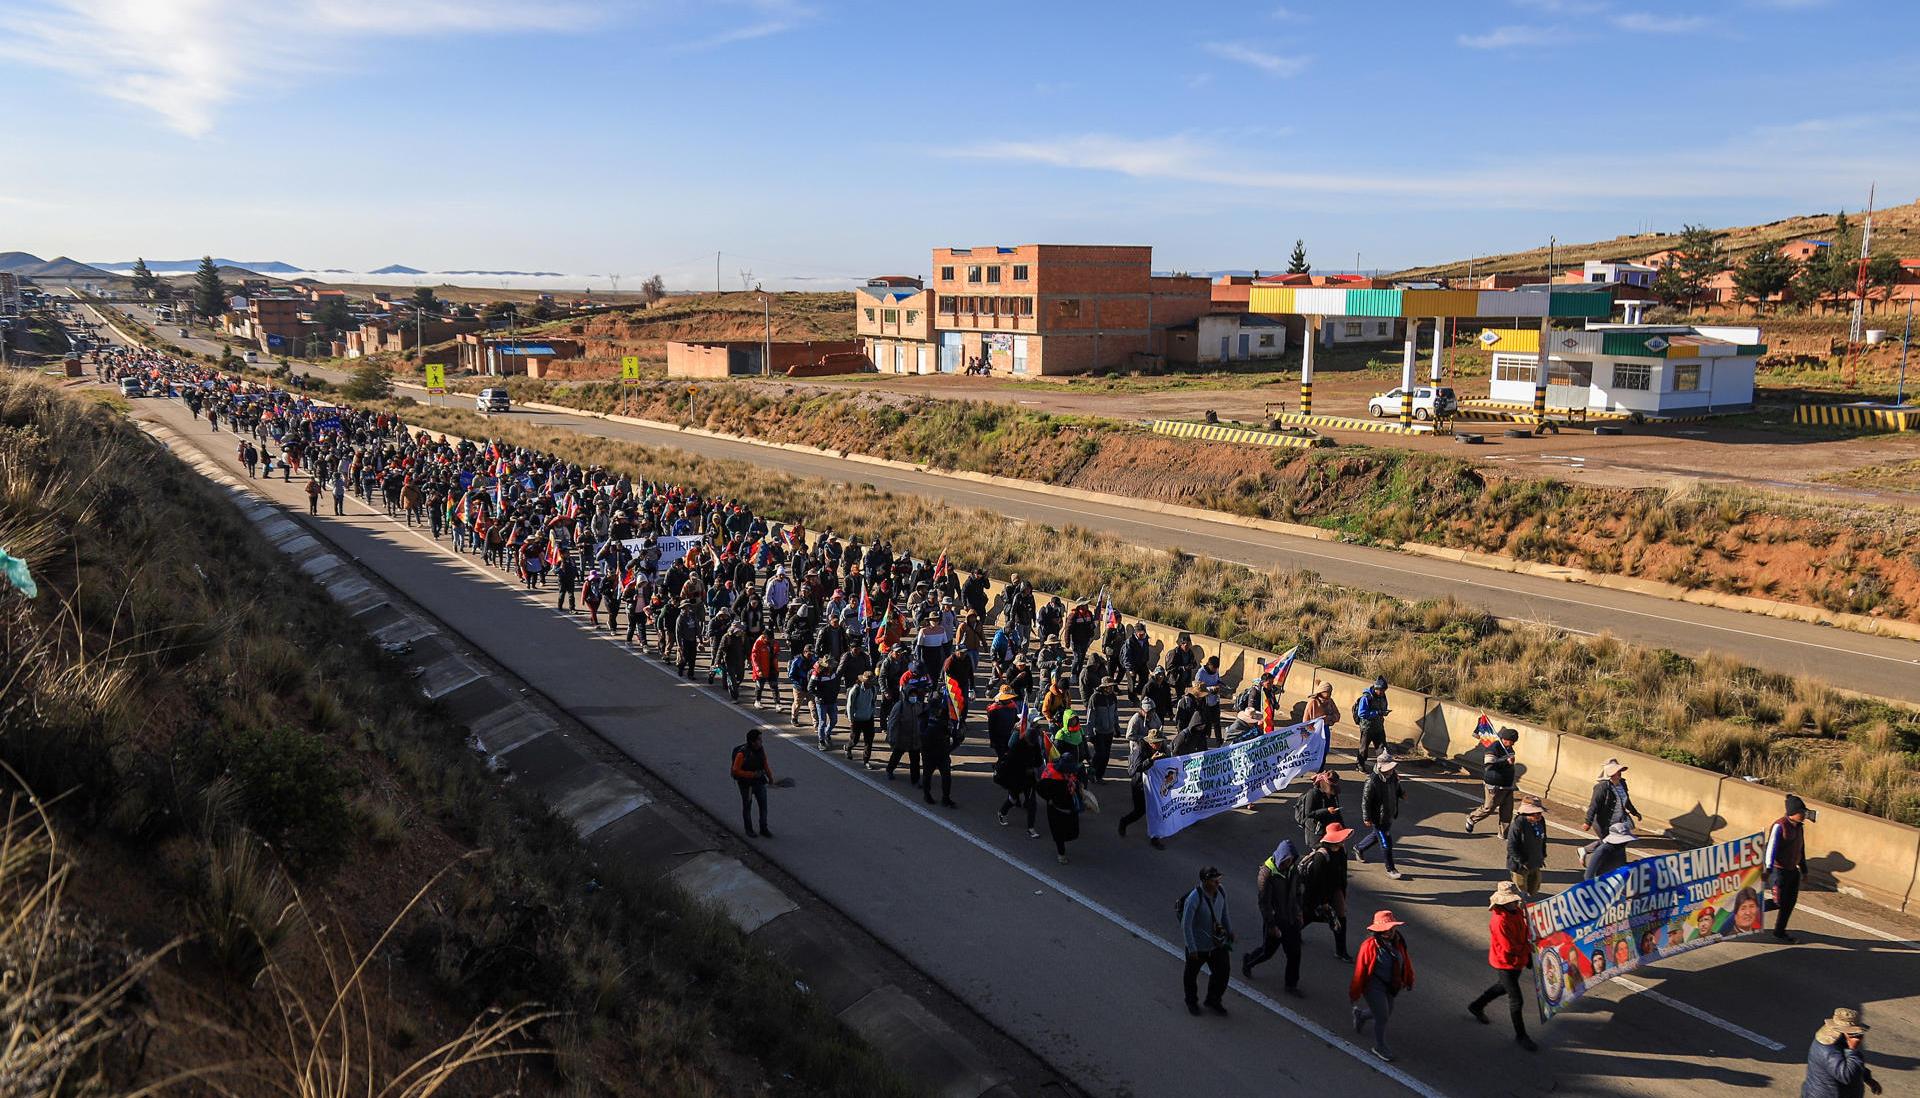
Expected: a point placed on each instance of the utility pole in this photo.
(766, 337)
(1906, 342)
(1854, 330)
(716, 272)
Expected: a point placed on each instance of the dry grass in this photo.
(1711, 711)
(195, 694)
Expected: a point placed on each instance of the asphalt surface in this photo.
(1884, 666)
(1078, 962)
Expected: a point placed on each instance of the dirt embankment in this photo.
(1856, 558)
(741, 316)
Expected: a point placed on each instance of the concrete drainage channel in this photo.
(637, 825)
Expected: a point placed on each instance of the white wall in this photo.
(1333, 330)
(1725, 382)
(1213, 327)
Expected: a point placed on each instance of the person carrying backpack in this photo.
(1206, 928)
(752, 774)
(1276, 886)
(1383, 970)
(1370, 720)
(1323, 886)
(1319, 807)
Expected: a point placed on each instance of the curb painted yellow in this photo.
(1845, 415)
(1220, 432)
(1351, 423)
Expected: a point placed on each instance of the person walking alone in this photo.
(1383, 969)
(1277, 887)
(1498, 773)
(1786, 863)
(752, 774)
(1370, 711)
(1206, 926)
(1509, 952)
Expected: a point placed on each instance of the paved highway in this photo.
(1884, 666)
(1077, 960)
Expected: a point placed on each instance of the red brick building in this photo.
(1056, 308)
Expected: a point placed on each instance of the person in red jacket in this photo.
(1382, 970)
(764, 658)
(1509, 951)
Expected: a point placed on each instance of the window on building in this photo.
(1266, 339)
(946, 274)
(913, 316)
(1019, 272)
(890, 316)
(1686, 379)
(869, 316)
(1353, 329)
(973, 274)
(1513, 368)
(1629, 376)
(993, 274)
(1383, 328)
(1570, 371)
(949, 304)
(1067, 307)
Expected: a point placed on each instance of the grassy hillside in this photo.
(1896, 230)
(251, 795)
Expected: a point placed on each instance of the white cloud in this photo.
(766, 18)
(1284, 14)
(1513, 37)
(185, 59)
(1272, 64)
(1640, 22)
(1830, 171)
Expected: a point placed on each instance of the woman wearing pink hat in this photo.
(1383, 969)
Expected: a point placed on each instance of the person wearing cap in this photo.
(1379, 806)
(1509, 952)
(1274, 886)
(1058, 697)
(1245, 723)
(1610, 803)
(1003, 719)
(1323, 885)
(1786, 863)
(1206, 926)
(1321, 707)
(1103, 724)
(1499, 776)
(1159, 691)
(1370, 711)
(1837, 1062)
(1144, 747)
(1207, 677)
(1381, 972)
(1320, 805)
(1609, 853)
(1527, 846)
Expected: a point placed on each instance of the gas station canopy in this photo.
(1315, 301)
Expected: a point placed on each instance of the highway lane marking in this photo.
(1252, 994)
(1047, 502)
(1689, 1009)
(1306, 1025)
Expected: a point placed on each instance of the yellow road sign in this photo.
(436, 377)
(630, 368)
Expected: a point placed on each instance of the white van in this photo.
(492, 400)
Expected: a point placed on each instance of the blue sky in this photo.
(815, 142)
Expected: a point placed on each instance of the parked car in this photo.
(1428, 403)
(492, 400)
(131, 387)
(252, 356)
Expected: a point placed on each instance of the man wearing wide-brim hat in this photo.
(1509, 952)
(1837, 1062)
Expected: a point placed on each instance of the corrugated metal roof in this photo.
(523, 349)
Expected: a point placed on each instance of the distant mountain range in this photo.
(397, 269)
(32, 266)
(175, 266)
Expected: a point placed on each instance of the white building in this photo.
(1339, 331)
(1622, 271)
(1659, 371)
(1226, 337)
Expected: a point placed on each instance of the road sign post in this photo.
(630, 369)
(436, 378)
